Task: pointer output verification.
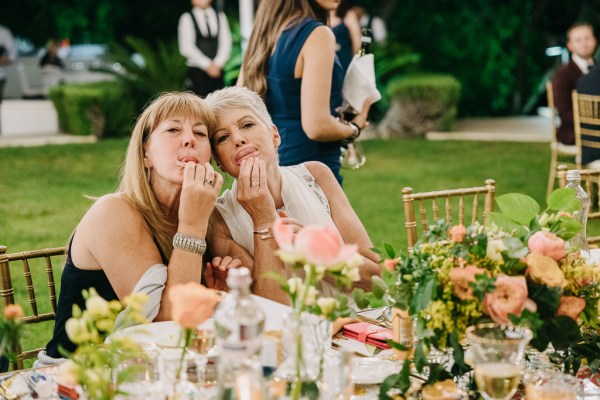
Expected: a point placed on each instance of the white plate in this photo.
(369, 371)
(166, 333)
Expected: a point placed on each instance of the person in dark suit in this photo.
(590, 84)
(205, 42)
(581, 42)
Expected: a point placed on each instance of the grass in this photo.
(43, 189)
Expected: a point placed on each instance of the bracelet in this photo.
(189, 243)
(264, 233)
(357, 130)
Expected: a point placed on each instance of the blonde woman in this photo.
(291, 63)
(245, 145)
(150, 234)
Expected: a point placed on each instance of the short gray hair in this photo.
(223, 100)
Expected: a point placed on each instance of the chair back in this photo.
(29, 268)
(590, 182)
(557, 149)
(429, 210)
(586, 118)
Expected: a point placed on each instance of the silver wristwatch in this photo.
(189, 243)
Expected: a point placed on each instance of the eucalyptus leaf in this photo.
(518, 207)
(515, 248)
(360, 299)
(570, 228)
(564, 199)
(378, 287)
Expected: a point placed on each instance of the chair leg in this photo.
(552, 175)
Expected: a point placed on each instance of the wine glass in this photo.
(497, 352)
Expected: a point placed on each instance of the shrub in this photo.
(101, 109)
(420, 103)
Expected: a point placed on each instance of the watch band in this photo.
(189, 243)
(357, 130)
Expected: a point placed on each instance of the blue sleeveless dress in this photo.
(343, 43)
(283, 101)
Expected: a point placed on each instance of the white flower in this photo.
(351, 273)
(294, 284)
(77, 330)
(356, 261)
(311, 296)
(68, 372)
(97, 307)
(494, 250)
(289, 257)
(327, 305)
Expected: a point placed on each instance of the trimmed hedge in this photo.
(101, 109)
(421, 103)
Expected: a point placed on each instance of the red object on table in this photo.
(368, 333)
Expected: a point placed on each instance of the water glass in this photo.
(550, 385)
(497, 352)
(203, 341)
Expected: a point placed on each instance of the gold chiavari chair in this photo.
(557, 149)
(36, 262)
(586, 120)
(429, 201)
(590, 182)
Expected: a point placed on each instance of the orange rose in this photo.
(13, 311)
(571, 306)
(457, 233)
(192, 304)
(461, 279)
(509, 297)
(545, 270)
(390, 264)
(547, 244)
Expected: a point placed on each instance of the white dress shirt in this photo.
(7, 40)
(187, 37)
(582, 63)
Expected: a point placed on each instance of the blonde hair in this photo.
(135, 178)
(272, 17)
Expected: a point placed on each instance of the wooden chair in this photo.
(586, 118)
(559, 150)
(36, 262)
(485, 193)
(590, 182)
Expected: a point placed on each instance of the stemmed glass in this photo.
(497, 352)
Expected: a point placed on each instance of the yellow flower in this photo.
(327, 305)
(97, 307)
(545, 270)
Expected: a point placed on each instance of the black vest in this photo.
(208, 45)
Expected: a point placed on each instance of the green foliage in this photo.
(434, 95)
(101, 109)
(162, 70)
(231, 70)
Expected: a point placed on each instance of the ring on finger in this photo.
(209, 181)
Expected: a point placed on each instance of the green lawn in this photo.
(43, 190)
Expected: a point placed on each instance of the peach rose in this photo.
(13, 311)
(545, 270)
(548, 244)
(192, 304)
(390, 264)
(457, 233)
(571, 306)
(509, 297)
(461, 279)
(323, 245)
(284, 235)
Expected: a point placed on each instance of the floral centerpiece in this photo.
(515, 270)
(10, 333)
(314, 254)
(91, 364)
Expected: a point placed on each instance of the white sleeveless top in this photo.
(303, 200)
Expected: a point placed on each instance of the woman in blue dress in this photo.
(291, 63)
(346, 27)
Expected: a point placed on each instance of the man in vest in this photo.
(205, 42)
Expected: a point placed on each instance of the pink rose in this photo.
(323, 245)
(571, 306)
(547, 244)
(192, 304)
(284, 235)
(457, 233)
(509, 297)
(13, 311)
(390, 265)
(461, 279)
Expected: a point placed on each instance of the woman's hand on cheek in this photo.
(200, 189)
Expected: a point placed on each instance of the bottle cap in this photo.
(239, 277)
(573, 174)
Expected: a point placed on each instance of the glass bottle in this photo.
(365, 42)
(579, 241)
(239, 324)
